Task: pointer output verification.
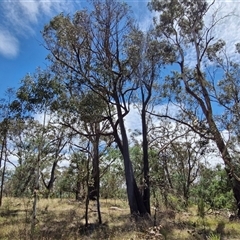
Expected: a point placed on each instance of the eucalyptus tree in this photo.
(185, 158)
(54, 151)
(82, 114)
(176, 153)
(5, 125)
(35, 149)
(33, 97)
(38, 147)
(74, 177)
(3, 155)
(149, 60)
(188, 28)
(24, 137)
(89, 52)
(21, 139)
(228, 98)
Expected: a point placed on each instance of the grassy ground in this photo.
(64, 219)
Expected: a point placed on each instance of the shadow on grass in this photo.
(11, 213)
(70, 227)
(111, 231)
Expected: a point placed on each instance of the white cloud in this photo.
(133, 120)
(227, 28)
(30, 9)
(22, 15)
(22, 18)
(141, 13)
(227, 15)
(9, 45)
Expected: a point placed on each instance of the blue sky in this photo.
(21, 21)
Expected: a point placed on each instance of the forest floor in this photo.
(64, 219)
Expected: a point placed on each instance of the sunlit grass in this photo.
(64, 219)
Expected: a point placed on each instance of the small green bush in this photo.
(214, 236)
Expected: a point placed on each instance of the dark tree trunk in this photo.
(3, 175)
(166, 170)
(94, 187)
(227, 160)
(205, 104)
(236, 191)
(146, 190)
(50, 183)
(96, 174)
(3, 152)
(87, 195)
(135, 199)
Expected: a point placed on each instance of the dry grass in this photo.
(64, 219)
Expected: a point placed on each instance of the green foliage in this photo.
(201, 208)
(36, 93)
(214, 236)
(92, 108)
(73, 177)
(113, 184)
(214, 188)
(175, 202)
(112, 179)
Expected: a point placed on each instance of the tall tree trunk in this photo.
(206, 106)
(87, 195)
(37, 178)
(3, 152)
(135, 199)
(228, 162)
(146, 190)
(236, 191)
(35, 198)
(96, 174)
